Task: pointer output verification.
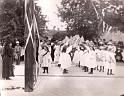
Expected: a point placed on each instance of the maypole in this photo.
(31, 47)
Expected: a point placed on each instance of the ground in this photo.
(75, 83)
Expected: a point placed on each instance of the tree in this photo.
(81, 17)
(12, 19)
(41, 22)
(112, 12)
(92, 18)
(60, 35)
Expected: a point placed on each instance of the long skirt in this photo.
(7, 67)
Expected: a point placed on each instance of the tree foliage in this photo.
(112, 12)
(60, 35)
(86, 17)
(12, 19)
(41, 22)
(80, 16)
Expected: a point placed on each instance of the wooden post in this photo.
(29, 63)
(29, 49)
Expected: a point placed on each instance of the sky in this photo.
(49, 8)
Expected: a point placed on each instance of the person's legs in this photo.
(97, 67)
(108, 72)
(91, 71)
(43, 69)
(47, 69)
(65, 71)
(111, 72)
(87, 69)
(19, 59)
(103, 68)
(100, 69)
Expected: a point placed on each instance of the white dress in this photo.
(65, 60)
(83, 58)
(102, 58)
(46, 60)
(40, 57)
(110, 60)
(92, 59)
(86, 56)
(97, 57)
(57, 53)
(76, 57)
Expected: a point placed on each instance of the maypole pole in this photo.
(30, 57)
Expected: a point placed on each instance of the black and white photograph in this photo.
(61, 47)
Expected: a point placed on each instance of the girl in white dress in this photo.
(83, 58)
(57, 53)
(111, 62)
(92, 60)
(65, 60)
(102, 58)
(76, 58)
(97, 50)
(86, 57)
(46, 59)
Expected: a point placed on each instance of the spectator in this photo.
(7, 61)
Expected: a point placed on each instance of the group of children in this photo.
(100, 58)
(84, 54)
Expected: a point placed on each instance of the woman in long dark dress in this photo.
(7, 61)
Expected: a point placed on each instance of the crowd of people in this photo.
(8, 55)
(71, 51)
(75, 51)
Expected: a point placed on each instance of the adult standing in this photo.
(7, 61)
(52, 51)
(17, 53)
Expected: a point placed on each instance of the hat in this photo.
(109, 43)
(17, 42)
(102, 47)
(101, 42)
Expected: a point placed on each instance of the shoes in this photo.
(107, 73)
(111, 74)
(90, 73)
(65, 71)
(8, 79)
